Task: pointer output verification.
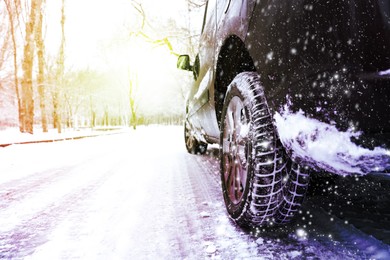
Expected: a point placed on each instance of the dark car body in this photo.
(325, 60)
(330, 55)
(330, 58)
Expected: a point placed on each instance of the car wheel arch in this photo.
(228, 68)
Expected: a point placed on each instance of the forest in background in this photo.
(134, 81)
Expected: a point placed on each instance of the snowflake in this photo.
(293, 51)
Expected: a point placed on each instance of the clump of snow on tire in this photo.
(322, 146)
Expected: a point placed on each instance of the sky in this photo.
(93, 25)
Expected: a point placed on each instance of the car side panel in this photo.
(202, 112)
(199, 93)
(232, 19)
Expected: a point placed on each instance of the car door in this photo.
(203, 68)
(207, 55)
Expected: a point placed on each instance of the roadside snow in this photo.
(13, 135)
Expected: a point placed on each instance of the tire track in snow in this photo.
(16, 190)
(185, 208)
(32, 231)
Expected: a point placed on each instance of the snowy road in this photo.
(139, 195)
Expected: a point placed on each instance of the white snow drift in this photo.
(323, 146)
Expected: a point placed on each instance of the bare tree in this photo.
(133, 83)
(41, 69)
(176, 37)
(196, 4)
(5, 34)
(142, 30)
(27, 67)
(12, 10)
(156, 37)
(59, 74)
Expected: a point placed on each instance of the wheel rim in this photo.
(235, 150)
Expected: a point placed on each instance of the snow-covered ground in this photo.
(139, 195)
(14, 136)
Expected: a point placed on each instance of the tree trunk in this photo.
(93, 114)
(59, 74)
(27, 67)
(133, 109)
(56, 116)
(133, 119)
(41, 70)
(15, 58)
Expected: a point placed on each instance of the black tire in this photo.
(192, 144)
(261, 185)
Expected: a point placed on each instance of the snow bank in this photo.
(323, 146)
(384, 73)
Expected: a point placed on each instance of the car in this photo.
(328, 61)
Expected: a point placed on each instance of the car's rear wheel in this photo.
(192, 144)
(261, 185)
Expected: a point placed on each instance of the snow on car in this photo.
(323, 147)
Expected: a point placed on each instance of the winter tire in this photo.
(261, 185)
(192, 144)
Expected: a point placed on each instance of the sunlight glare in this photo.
(100, 36)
